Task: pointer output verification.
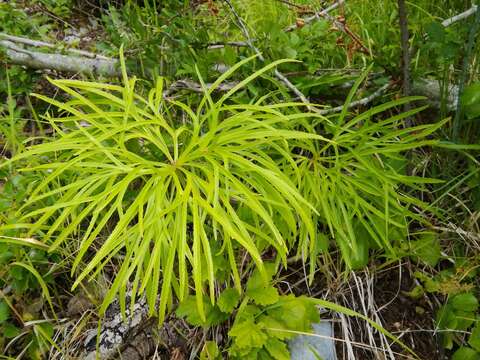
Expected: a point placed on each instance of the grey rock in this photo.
(319, 345)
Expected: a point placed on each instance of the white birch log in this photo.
(63, 63)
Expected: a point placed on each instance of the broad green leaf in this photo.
(276, 327)
(466, 353)
(474, 339)
(10, 330)
(188, 309)
(427, 248)
(471, 100)
(467, 302)
(228, 300)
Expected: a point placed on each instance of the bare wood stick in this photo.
(361, 102)
(65, 63)
(461, 16)
(186, 84)
(230, 43)
(37, 43)
(294, 89)
(316, 16)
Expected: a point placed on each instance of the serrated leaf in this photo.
(259, 290)
(263, 354)
(247, 313)
(294, 39)
(256, 280)
(228, 300)
(47, 329)
(446, 318)
(471, 95)
(277, 349)
(264, 295)
(247, 334)
(436, 32)
(244, 353)
(188, 310)
(471, 100)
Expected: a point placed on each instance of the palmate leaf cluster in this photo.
(166, 189)
(358, 182)
(264, 319)
(180, 190)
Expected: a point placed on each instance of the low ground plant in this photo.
(187, 187)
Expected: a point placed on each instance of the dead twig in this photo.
(461, 16)
(221, 45)
(186, 84)
(361, 102)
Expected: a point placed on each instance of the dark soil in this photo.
(414, 317)
(412, 320)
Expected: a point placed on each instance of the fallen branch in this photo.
(221, 45)
(63, 63)
(432, 91)
(186, 84)
(361, 102)
(37, 43)
(461, 16)
(196, 87)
